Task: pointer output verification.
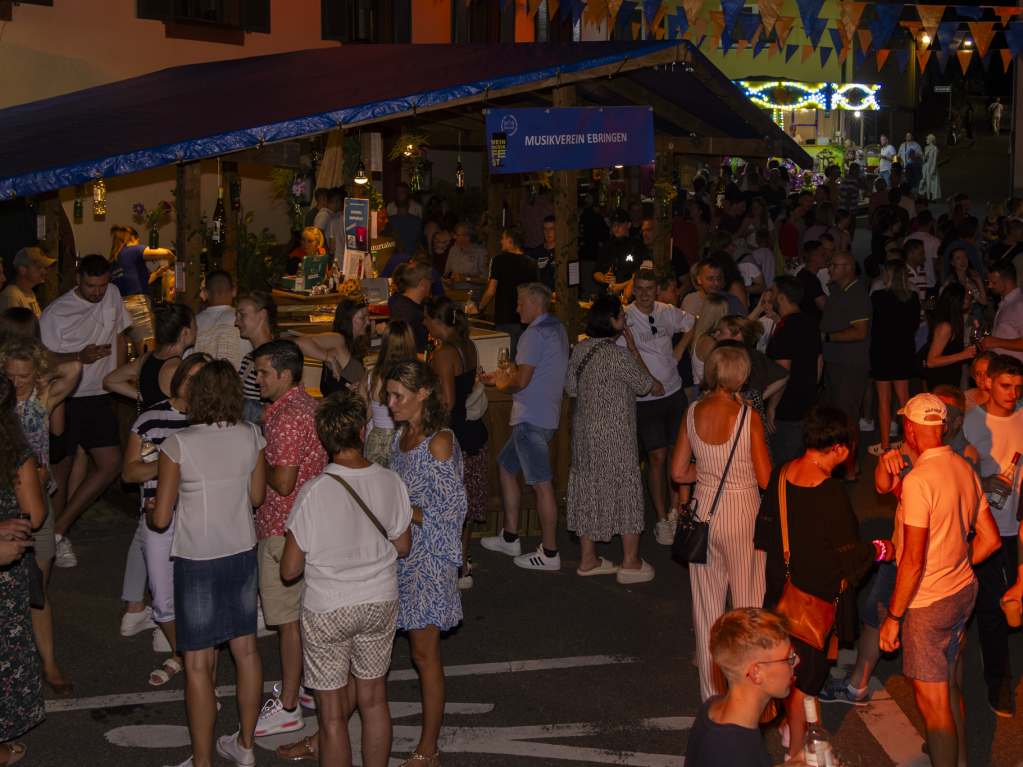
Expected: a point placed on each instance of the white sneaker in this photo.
(273, 719)
(465, 581)
(866, 425)
(261, 629)
(186, 763)
(498, 543)
(65, 556)
(664, 530)
(227, 747)
(133, 623)
(893, 430)
(160, 643)
(537, 560)
(305, 697)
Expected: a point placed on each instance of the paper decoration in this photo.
(807, 52)
(552, 8)
(903, 56)
(758, 47)
(1006, 12)
(692, 8)
(717, 22)
(740, 46)
(942, 59)
(751, 23)
(731, 10)
(700, 27)
(970, 11)
(923, 57)
(839, 41)
(621, 10)
(882, 57)
(790, 51)
(726, 44)
(1014, 37)
(930, 16)
(636, 26)
(773, 49)
(842, 55)
(912, 25)
(825, 54)
(964, 59)
(783, 25)
(983, 33)
(678, 25)
(887, 20)
(1006, 59)
(504, 4)
(769, 12)
(860, 57)
(534, 6)
(946, 32)
(816, 32)
(986, 60)
(850, 18)
(658, 18)
(567, 8)
(865, 38)
(809, 11)
(650, 11)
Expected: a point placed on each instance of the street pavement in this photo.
(547, 669)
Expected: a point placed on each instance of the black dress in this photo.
(946, 374)
(149, 380)
(351, 374)
(893, 336)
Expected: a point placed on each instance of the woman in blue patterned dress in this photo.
(21, 687)
(427, 457)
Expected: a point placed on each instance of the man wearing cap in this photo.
(30, 267)
(935, 588)
(619, 257)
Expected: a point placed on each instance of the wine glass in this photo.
(502, 358)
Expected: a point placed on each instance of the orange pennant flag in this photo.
(740, 46)
(807, 52)
(930, 15)
(882, 57)
(717, 22)
(660, 32)
(552, 7)
(914, 25)
(635, 30)
(850, 18)
(783, 25)
(534, 6)
(865, 40)
(1006, 58)
(594, 12)
(773, 50)
(846, 42)
(701, 27)
(612, 9)
(983, 32)
(712, 43)
(1006, 12)
(658, 17)
(692, 9)
(769, 13)
(964, 59)
(842, 54)
(923, 57)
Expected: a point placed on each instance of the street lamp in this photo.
(857, 114)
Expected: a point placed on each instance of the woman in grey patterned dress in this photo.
(605, 493)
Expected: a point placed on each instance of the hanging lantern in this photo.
(459, 176)
(99, 198)
(360, 173)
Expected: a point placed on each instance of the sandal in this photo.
(160, 676)
(17, 753)
(428, 759)
(310, 752)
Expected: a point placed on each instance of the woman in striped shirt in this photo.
(155, 425)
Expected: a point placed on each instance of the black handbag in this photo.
(692, 535)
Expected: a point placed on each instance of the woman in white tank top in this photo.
(396, 345)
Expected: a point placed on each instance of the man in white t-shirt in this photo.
(348, 553)
(884, 167)
(87, 325)
(216, 334)
(910, 144)
(995, 429)
(659, 415)
(925, 233)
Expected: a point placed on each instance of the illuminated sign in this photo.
(791, 95)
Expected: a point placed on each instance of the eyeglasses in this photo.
(792, 660)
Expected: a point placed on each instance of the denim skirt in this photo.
(214, 599)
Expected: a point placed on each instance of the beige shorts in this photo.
(360, 637)
(281, 603)
(46, 545)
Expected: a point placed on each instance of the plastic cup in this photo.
(1012, 610)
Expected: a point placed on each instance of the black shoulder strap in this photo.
(362, 505)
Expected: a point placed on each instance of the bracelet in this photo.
(897, 618)
(884, 550)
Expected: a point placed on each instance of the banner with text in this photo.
(530, 140)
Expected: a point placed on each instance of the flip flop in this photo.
(17, 753)
(607, 567)
(644, 573)
(309, 755)
(161, 673)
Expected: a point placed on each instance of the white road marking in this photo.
(228, 691)
(893, 730)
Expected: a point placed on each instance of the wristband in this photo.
(896, 618)
(884, 550)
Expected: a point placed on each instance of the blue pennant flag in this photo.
(1014, 37)
(577, 12)
(650, 10)
(946, 31)
(860, 57)
(888, 20)
(731, 10)
(825, 53)
(970, 11)
(678, 25)
(816, 32)
(750, 23)
(903, 58)
(836, 38)
(758, 47)
(566, 8)
(986, 59)
(809, 10)
(504, 4)
(624, 12)
(942, 60)
(726, 44)
(899, 33)
(790, 51)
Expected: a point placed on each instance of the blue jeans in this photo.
(526, 451)
(215, 599)
(881, 594)
(886, 175)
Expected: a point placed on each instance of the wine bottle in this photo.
(817, 750)
(997, 497)
(218, 230)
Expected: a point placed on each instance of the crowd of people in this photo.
(745, 378)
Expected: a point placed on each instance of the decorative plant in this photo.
(410, 150)
(665, 187)
(351, 145)
(369, 192)
(539, 179)
(152, 215)
(287, 185)
(256, 267)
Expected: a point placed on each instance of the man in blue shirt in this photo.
(544, 253)
(536, 382)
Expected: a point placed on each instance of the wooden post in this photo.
(190, 232)
(50, 245)
(566, 232)
(664, 166)
(495, 204)
(230, 261)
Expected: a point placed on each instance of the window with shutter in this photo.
(401, 11)
(351, 21)
(459, 22)
(507, 24)
(541, 23)
(160, 10)
(255, 16)
(334, 20)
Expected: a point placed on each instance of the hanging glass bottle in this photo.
(602, 195)
(459, 176)
(532, 194)
(618, 198)
(416, 184)
(79, 204)
(99, 198)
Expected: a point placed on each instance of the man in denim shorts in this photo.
(935, 587)
(536, 383)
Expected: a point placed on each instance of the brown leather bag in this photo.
(810, 618)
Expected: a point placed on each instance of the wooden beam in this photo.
(230, 261)
(471, 140)
(664, 166)
(637, 94)
(566, 233)
(715, 146)
(287, 154)
(190, 231)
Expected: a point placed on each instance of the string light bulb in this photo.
(927, 39)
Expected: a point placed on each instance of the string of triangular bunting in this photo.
(936, 29)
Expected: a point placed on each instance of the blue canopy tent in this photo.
(201, 110)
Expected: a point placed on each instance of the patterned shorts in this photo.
(360, 636)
